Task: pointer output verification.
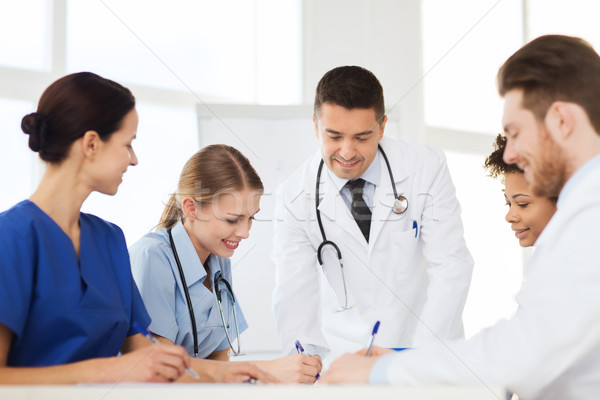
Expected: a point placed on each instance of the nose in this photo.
(244, 230)
(347, 150)
(512, 215)
(132, 158)
(510, 155)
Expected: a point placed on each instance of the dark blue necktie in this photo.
(360, 210)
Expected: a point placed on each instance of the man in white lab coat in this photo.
(550, 348)
(398, 232)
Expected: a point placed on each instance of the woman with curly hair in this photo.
(528, 214)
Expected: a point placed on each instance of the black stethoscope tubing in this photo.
(187, 293)
(188, 300)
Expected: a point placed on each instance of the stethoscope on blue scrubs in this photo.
(188, 300)
(399, 207)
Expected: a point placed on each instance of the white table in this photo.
(126, 391)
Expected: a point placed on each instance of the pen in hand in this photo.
(153, 339)
(300, 350)
(375, 329)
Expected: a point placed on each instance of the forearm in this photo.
(206, 370)
(88, 371)
(296, 368)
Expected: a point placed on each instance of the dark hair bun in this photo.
(34, 125)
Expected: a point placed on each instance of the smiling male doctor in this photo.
(408, 268)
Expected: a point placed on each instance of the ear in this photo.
(316, 126)
(382, 127)
(188, 207)
(90, 143)
(560, 120)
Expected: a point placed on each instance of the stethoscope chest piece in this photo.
(400, 205)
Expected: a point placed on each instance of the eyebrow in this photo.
(241, 215)
(355, 134)
(520, 195)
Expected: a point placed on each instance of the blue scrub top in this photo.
(59, 308)
(156, 274)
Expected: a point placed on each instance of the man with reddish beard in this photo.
(550, 348)
(388, 209)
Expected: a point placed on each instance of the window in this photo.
(17, 162)
(23, 33)
(166, 138)
(461, 56)
(226, 51)
(548, 17)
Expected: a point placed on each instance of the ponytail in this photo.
(171, 214)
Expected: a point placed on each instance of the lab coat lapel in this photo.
(382, 202)
(384, 192)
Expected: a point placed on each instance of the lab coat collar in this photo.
(383, 202)
(402, 161)
(577, 177)
(190, 262)
(334, 207)
(332, 204)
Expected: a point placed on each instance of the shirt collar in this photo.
(577, 177)
(371, 175)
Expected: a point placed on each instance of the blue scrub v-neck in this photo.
(60, 308)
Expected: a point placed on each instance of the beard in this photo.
(550, 174)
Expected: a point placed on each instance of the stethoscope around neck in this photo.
(218, 294)
(399, 207)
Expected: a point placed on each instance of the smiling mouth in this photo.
(345, 164)
(520, 233)
(231, 245)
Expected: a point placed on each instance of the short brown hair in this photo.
(494, 163)
(555, 68)
(351, 87)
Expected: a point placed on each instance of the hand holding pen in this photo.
(153, 339)
(300, 350)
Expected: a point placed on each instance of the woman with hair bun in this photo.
(183, 268)
(68, 301)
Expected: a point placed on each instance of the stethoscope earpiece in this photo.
(400, 205)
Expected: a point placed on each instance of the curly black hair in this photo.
(494, 163)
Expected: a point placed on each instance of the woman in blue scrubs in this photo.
(202, 225)
(67, 297)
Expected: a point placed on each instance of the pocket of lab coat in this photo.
(404, 255)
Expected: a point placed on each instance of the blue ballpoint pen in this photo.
(153, 339)
(300, 350)
(375, 329)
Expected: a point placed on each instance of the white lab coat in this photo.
(550, 348)
(414, 281)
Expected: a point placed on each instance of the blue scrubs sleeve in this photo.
(17, 273)
(152, 272)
